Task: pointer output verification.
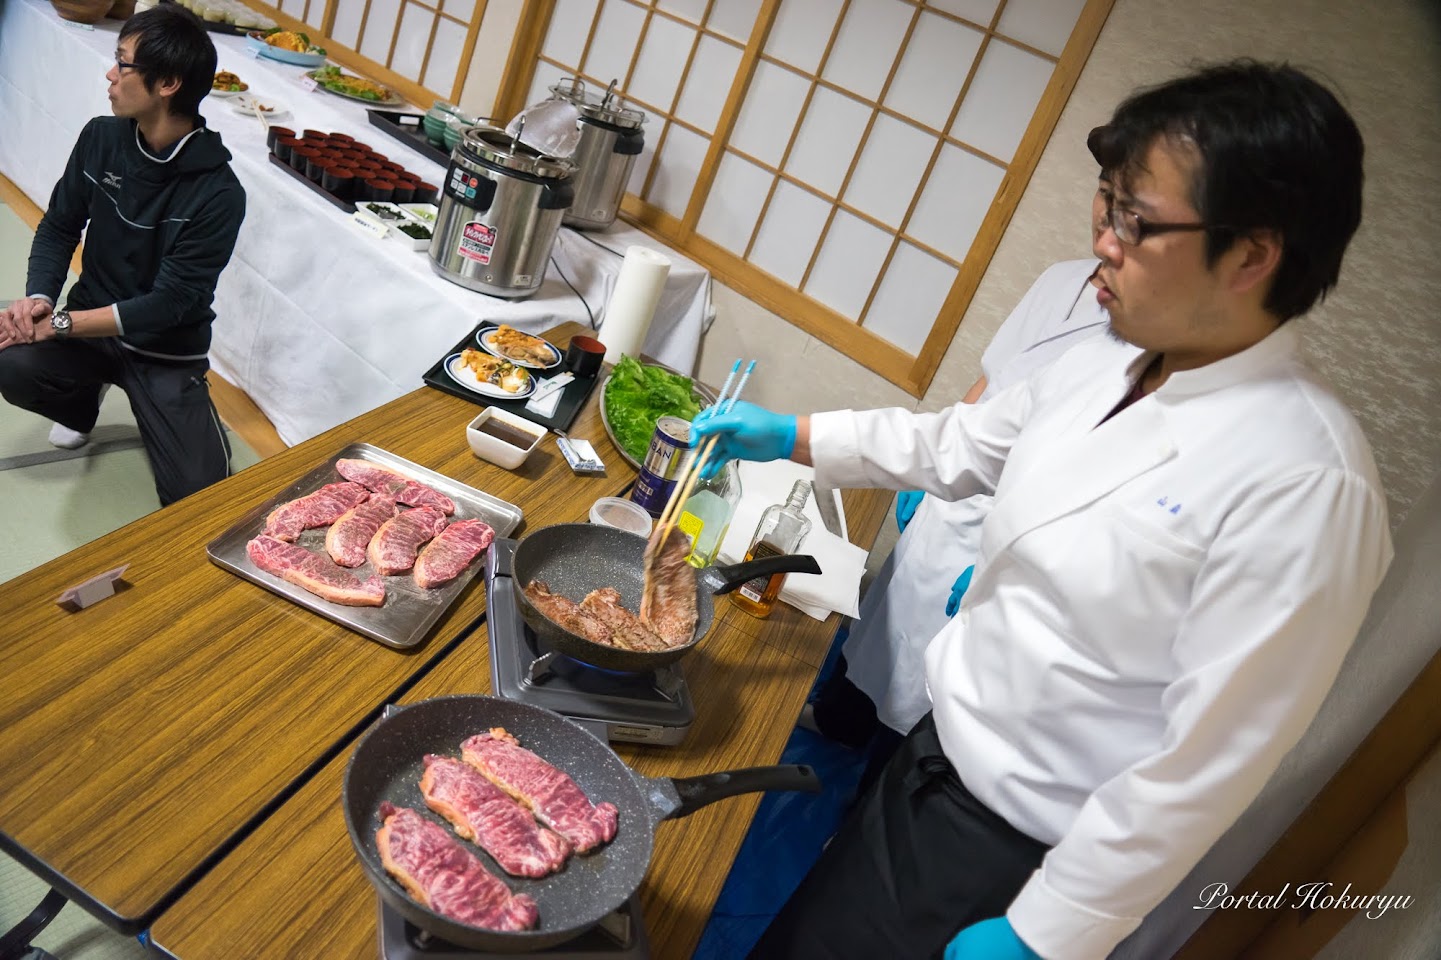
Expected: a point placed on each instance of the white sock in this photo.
(66, 439)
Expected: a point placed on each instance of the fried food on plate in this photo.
(521, 346)
(494, 370)
(227, 81)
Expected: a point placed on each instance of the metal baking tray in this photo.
(409, 611)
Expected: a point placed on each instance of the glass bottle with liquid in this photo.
(782, 529)
(706, 515)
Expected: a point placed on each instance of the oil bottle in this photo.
(706, 516)
(782, 528)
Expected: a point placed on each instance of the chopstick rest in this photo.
(92, 591)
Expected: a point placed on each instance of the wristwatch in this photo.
(60, 322)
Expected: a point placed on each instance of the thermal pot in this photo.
(610, 140)
(500, 209)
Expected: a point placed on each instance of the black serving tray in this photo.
(345, 205)
(572, 396)
(406, 128)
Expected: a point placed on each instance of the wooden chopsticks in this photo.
(687, 481)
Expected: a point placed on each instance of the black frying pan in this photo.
(576, 558)
(388, 763)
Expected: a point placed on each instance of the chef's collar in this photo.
(1281, 345)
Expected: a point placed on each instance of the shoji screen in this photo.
(849, 163)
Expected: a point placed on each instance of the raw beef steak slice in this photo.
(551, 794)
(316, 574)
(318, 509)
(437, 871)
(485, 814)
(348, 537)
(398, 485)
(396, 543)
(447, 555)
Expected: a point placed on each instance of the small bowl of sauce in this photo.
(502, 438)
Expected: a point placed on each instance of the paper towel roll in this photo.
(632, 303)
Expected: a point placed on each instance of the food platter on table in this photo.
(502, 341)
(334, 80)
(701, 395)
(312, 56)
(461, 373)
(227, 85)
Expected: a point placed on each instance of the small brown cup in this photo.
(404, 191)
(426, 193)
(584, 356)
(381, 190)
(275, 133)
(357, 145)
(301, 156)
(339, 182)
(315, 167)
(283, 148)
(342, 138)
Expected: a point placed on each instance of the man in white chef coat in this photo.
(917, 588)
(1188, 528)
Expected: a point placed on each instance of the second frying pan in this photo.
(388, 762)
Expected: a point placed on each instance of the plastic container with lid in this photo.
(622, 514)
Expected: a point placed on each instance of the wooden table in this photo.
(294, 888)
(143, 737)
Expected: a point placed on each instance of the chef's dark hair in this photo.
(1277, 152)
(171, 43)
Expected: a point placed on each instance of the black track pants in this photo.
(918, 859)
(61, 381)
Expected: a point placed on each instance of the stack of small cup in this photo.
(347, 169)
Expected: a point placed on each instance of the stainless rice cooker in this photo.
(500, 210)
(610, 140)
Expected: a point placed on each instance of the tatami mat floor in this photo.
(48, 510)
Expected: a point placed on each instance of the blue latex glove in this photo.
(991, 939)
(906, 503)
(744, 432)
(958, 590)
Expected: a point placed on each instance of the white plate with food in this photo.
(522, 349)
(287, 46)
(489, 376)
(249, 106)
(227, 85)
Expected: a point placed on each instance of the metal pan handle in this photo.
(736, 574)
(692, 793)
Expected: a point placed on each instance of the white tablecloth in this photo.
(316, 321)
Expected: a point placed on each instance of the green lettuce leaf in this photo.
(639, 395)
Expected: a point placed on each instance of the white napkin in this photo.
(837, 587)
(545, 406)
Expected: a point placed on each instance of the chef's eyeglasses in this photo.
(1131, 228)
(121, 66)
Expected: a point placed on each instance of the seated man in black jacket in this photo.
(163, 209)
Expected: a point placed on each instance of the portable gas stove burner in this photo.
(619, 936)
(631, 707)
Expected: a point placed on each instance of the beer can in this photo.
(664, 462)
